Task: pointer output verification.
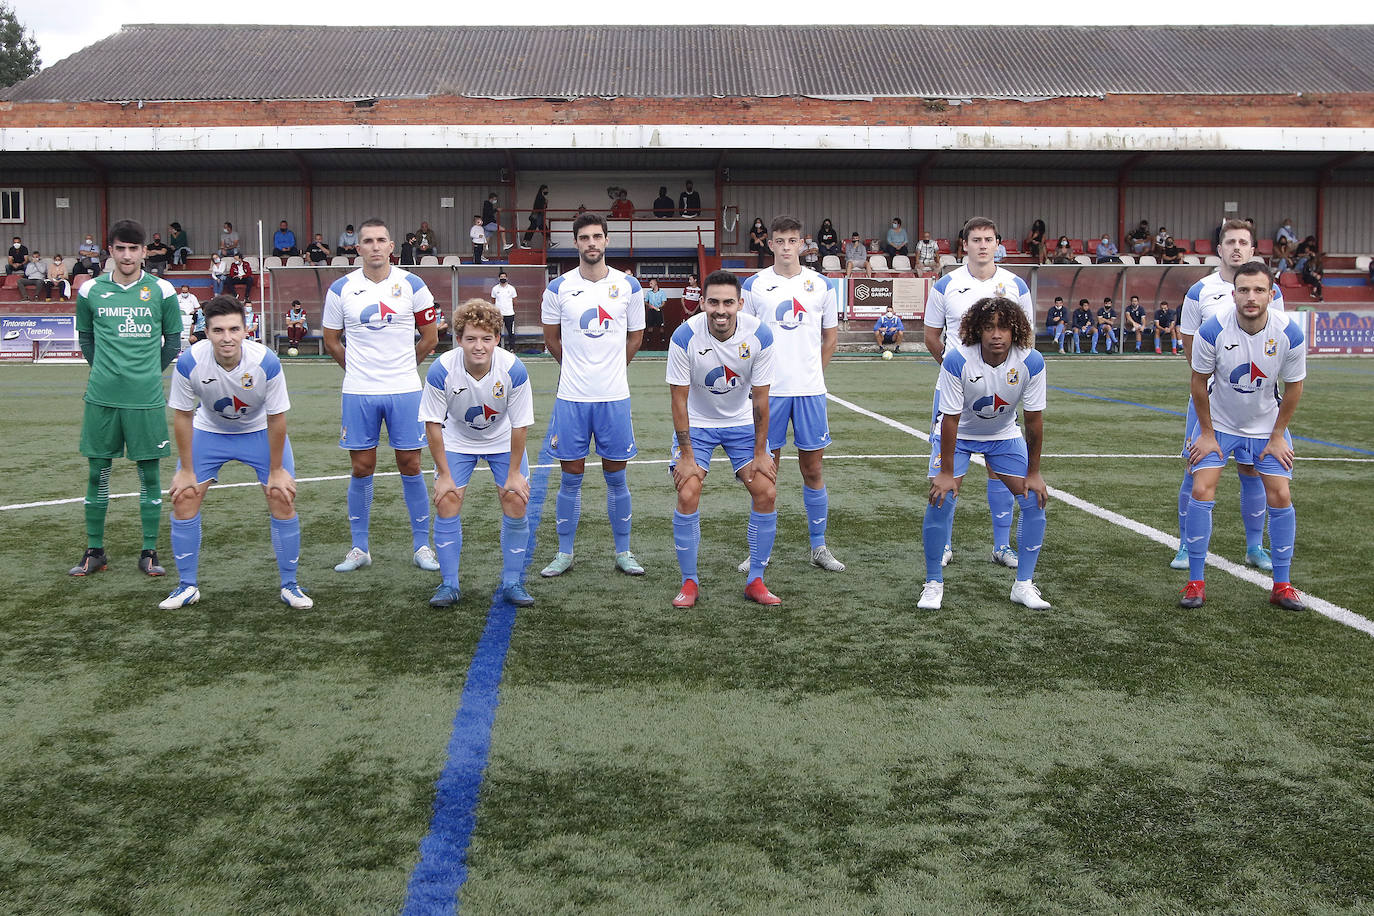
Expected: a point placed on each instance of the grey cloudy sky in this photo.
(73, 25)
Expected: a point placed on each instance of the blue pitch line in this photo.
(1179, 413)
(434, 884)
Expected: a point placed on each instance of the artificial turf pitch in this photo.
(844, 753)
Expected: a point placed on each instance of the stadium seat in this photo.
(358, 260)
(270, 262)
(452, 260)
(1148, 259)
(1012, 246)
(901, 262)
(948, 260)
(1128, 259)
(295, 261)
(1076, 246)
(943, 245)
(877, 262)
(429, 260)
(1211, 260)
(830, 262)
(1362, 263)
(339, 260)
(1265, 248)
(1202, 246)
(1290, 280)
(1191, 259)
(1082, 259)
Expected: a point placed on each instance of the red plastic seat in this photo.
(1203, 246)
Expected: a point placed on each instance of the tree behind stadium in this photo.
(18, 51)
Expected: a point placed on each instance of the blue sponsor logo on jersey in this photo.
(231, 408)
(790, 314)
(480, 416)
(722, 380)
(376, 317)
(1247, 378)
(595, 322)
(990, 406)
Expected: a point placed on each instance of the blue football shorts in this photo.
(363, 415)
(576, 423)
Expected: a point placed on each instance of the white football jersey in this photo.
(985, 397)
(188, 303)
(957, 291)
(504, 297)
(1211, 296)
(1246, 368)
(379, 321)
(235, 400)
(595, 318)
(796, 310)
(720, 373)
(478, 414)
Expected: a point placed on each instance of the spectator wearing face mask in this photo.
(896, 241)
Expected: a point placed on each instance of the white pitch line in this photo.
(1321, 606)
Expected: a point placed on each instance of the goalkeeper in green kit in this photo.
(129, 327)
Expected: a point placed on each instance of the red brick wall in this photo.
(1118, 111)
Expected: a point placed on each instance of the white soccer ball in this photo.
(887, 354)
(293, 352)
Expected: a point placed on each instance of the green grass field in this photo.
(844, 753)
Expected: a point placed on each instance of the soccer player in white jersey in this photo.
(798, 306)
(241, 392)
(950, 297)
(376, 310)
(992, 368)
(593, 319)
(477, 406)
(1238, 357)
(1206, 298)
(715, 358)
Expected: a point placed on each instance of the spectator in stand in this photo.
(1063, 251)
(1304, 250)
(811, 254)
(158, 255)
(1057, 321)
(409, 251)
(197, 324)
(17, 257)
(1139, 239)
(1106, 251)
(896, 241)
(179, 243)
(35, 277)
(1285, 241)
(240, 274)
(689, 202)
(927, 253)
(1000, 253)
(1135, 322)
(297, 324)
(1035, 242)
(1106, 324)
(503, 294)
(348, 242)
(219, 269)
(318, 252)
(653, 305)
(888, 329)
(491, 222)
(283, 241)
(691, 294)
(1312, 275)
(1166, 325)
(960, 248)
(187, 303)
(250, 322)
(758, 239)
(88, 257)
(228, 241)
(1161, 239)
(478, 235)
(57, 279)
(1081, 323)
(1170, 253)
(828, 240)
(428, 242)
(663, 204)
(537, 224)
(855, 255)
(622, 208)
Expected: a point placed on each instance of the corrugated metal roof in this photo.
(945, 62)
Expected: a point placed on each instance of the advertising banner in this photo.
(869, 298)
(1340, 332)
(32, 337)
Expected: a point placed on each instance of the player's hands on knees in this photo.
(281, 482)
(1036, 484)
(517, 486)
(941, 485)
(183, 483)
(1281, 450)
(443, 486)
(1201, 447)
(685, 470)
(764, 464)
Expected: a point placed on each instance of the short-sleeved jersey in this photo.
(236, 400)
(797, 310)
(188, 303)
(1106, 313)
(1057, 315)
(1210, 296)
(957, 291)
(478, 414)
(504, 297)
(595, 317)
(1082, 318)
(985, 397)
(888, 323)
(379, 322)
(129, 323)
(1136, 313)
(1246, 368)
(1164, 316)
(720, 373)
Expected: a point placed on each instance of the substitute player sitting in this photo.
(241, 391)
(477, 406)
(1238, 358)
(994, 368)
(714, 358)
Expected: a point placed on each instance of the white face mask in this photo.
(895, 225)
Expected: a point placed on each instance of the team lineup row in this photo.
(742, 372)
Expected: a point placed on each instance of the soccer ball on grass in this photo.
(293, 352)
(887, 354)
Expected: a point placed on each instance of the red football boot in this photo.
(758, 592)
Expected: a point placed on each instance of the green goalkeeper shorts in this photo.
(108, 432)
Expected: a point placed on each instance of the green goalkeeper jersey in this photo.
(129, 324)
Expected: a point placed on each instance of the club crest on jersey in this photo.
(246, 380)
(479, 416)
(1013, 376)
(613, 292)
(990, 406)
(231, 408)
(376, 317)
(1270, 347)
(790, 314)
(809, 285)
(396, 290)
(145, 294)
(498, 390)
(1001, 290)
(721, 380)
(1247, 378)
(744, 349)
(595, 322)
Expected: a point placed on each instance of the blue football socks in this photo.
(515, 535)
(763, 530)
(1000, 505)
(1029, 536)
(817, 505)
(1283, 532)
(687, 539)
(568, 506)
(1252, 509)
(186, 547)
(448, 546)
(1198, 536)
(935, 532)
(618, 508)
(360, 509)
(286, 544)
(417, 507)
